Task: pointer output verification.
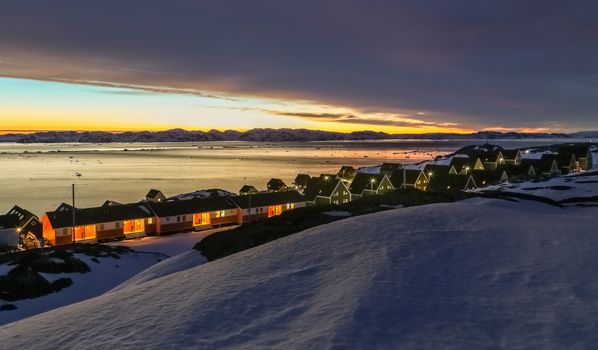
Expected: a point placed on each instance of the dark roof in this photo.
(110, 203)
(302, 179)
(320, 187)
(193, 206)
(276, 184)
(9, 221)
(542, 165)
(363, 181)
(484, 178)
(391, 166)
(461, 163)
(510, 153)
(406, 176)
(89, 216)
(267, 198)
(435, 169)
(248, 189)
(153, 193)
(346, 171)
(448, 182)
(328, 176)
(23, 214)
(579, 150)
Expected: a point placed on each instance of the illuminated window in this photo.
(150, 221)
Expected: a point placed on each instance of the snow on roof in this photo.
(351, 282)
(534, 154)
(215, 192)
(370, 170)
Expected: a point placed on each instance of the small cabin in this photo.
(370, 184)
(582, 153)
(155, 196)
(276, 185)
(247, 189)
(511, 156)
(450, 183)
(327, 191)
(410, 178)
(465, 165)
(301, 181)
(30, 233)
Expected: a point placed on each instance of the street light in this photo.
(372, 182)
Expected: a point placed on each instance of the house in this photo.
(276, 185)
(346, 173)
(546, 166)
(98, 223)
(9, 232)
(328, 176)
(247, 189)
(370, 184)
(433, 169)
(195, 214)
(465, 165)
(301, 181)
(582, 153)
(409, 178)
(566, 162)
(155, 196)
(30, 233)
(389, 168)
(491, 156)
(511, 156)
(267, 204)
(524, 171)
(451, 182)
(327, 191)
(490, 177)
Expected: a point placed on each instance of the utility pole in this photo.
(73, 228)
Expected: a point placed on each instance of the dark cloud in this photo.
(504, 63)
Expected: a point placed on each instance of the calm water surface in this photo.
(38, 176)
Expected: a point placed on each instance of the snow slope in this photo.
(475, 274)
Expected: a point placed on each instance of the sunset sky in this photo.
(344, 65)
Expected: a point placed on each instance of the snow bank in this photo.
(337, 213)
(475, 274)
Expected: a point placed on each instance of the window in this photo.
(101, 227)
(178, 219)
(117, 225)
(150, 220)
(184, 218)
(64, 231)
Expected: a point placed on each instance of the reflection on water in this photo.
(38, 176)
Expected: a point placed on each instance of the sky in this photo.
(342, 65)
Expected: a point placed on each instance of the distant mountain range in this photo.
(271, 135)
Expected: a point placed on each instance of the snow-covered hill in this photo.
(481, 273)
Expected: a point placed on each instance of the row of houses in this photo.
(467, 169)
(158, 216)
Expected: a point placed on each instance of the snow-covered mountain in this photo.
(272, 135)
(476, 274)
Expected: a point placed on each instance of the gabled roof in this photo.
(484, 178)
(9, 221)
(88, 216)
(437, 169)
(193, 206)
(110, 203)
(460, 163)
(542, 165)
(405, 177)
(363, 181)
(302, 179)
(328, 176)
(153, 193)
(276, 184)
(248, 189)
(510, 153)
(320, 187)
(264, 199)
(23, 214)
(450, 182)
(579, 150)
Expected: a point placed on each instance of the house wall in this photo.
(9, 237)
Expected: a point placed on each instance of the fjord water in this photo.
(39, 176)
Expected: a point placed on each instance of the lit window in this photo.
(150, 221)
